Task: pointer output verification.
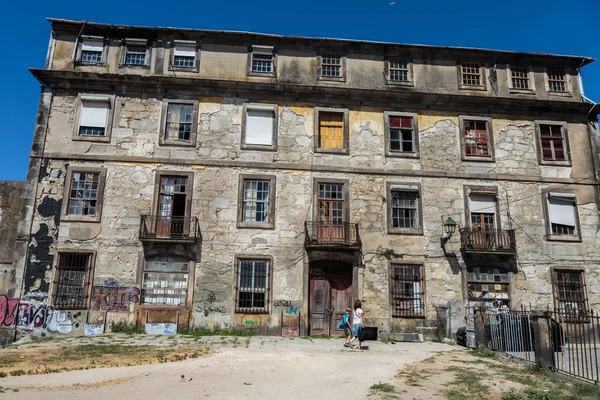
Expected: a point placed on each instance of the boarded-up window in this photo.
(570, 295)
(553, 142)
(165, 281)
(407, 290)
(252, 293)
(476, 138)
(331, 130)
(487, 286)
(562, 214)
(93, 118)
(260, 125)
(72, 280)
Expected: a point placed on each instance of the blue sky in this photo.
(550, 26)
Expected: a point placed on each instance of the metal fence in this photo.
(562, 341)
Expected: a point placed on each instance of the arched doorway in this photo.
(330, 292)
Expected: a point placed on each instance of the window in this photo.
(557, 80)
(519, 77)
(252, 291)
(331, 67)
(135, 53)
(476, 138)
(407, 290)
(570, 295)
(331, 126)
(404, 209)
(398, 70)
(487, 286)
(552, 143)
(179, 122)
(71, 280)
(92, 51)
(262, 61)
(184, 56)
(259, 127)
(471, 76)
(84, 189)
(401, 134)
(562, 216)
(94, 118)
(257, 196)
(165, 281)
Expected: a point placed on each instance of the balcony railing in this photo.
(155, 228)
(328, 234)
(491, 240)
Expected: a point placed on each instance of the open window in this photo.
(562, 217)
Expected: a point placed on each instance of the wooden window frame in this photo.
(461, 76)
(65, 216)
(81, 98)
(189, 192)
(415, 135)
(317, 139)
(565, 140)
(548, 73)
(480, 190)
(342, 57)
(558, 237)
(530, 79)
(565, 315)
(392, 265)
(414, 187)
(186, 43)
(386, 70)
(270, 224)
(491, 157)
(262, 147)
(269, 289)
(163, 124)
(264, 50)
(134, 42)
(89, 273)
(333, 181)
(79, 50)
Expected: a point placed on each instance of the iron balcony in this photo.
(488, 241)
(328, 235)
(156, 228)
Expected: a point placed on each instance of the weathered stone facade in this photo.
(132, 161)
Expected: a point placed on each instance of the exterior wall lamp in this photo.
(449, 227)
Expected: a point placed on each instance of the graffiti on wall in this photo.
(94, 329)
(282, 303)
(160, 328)
(291, 310)
(40, 316)
(113, 297)
(8, 311)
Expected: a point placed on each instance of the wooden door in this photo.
(483, 230)
(319, 293)
(331, 213)
(171, 206)
(331, 130)
(341, 296)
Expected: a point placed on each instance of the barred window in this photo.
(471, 75)
(407, 290)
(557, 80)
(83, 193)
(255, 207)
(135, 55)
(165, 281)
(398, 70)
(331, 66)
(179, 122)
(71, 280)
(252, 294)
(519, 78)
(553, 142)
(570, 294)
(476, 138)
(405, 209)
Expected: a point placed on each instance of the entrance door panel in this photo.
(319, 304)
(482, 230)
(341, 298)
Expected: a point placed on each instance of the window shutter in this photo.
(331, 130)
(482, 204)
(185, 51)
(92, 45)
(562, 210)
(259, 126)
(94, 113)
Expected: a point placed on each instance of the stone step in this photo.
(428, 332)
(402, 337)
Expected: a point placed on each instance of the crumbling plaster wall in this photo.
(11, 212)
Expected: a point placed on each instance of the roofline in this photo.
(582, 59)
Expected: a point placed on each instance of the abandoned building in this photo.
(190, 178)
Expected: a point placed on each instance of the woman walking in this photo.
(357, 322)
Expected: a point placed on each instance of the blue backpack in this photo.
(343, 321)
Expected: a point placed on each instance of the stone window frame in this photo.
(260, 106)
(269, 297)
(482, 190)
(482, 75)
(188, 43)
(111, 100)
(64, 216)
(162, 141)
(408, 187)
(423, 287)
(566, 316)
(461, 119)
(568, 87)
(530, 76)
(272, 198)
(135, 42)
(551, 237)
(316, 143)
(79, 50)
(567, 162)
(261, 49)
(88, 279)
(415, 126)
(346, 194)
(386, 70)
(189, 191)
(339, 52)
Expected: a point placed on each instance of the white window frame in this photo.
(266, 50)
(134, 42)
(81, 44)
(565, 197)
(272, 108)
(191, 44)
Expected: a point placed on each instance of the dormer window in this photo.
(91, 50)
(184, 56)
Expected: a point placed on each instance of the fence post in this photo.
(480, 336)
(542, 339)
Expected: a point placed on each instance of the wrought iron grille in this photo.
(500, 240)
(72, 280)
